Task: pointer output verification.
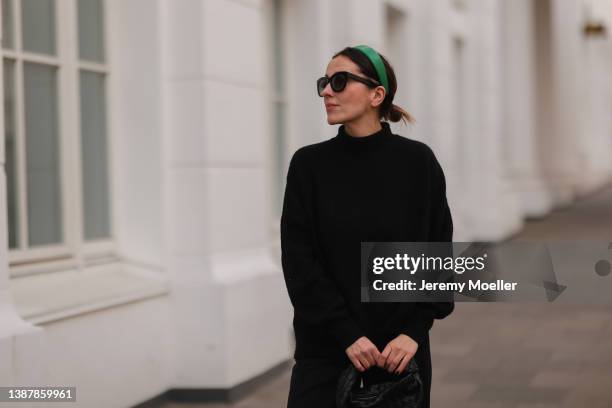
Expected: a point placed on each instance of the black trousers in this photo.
(314, 380)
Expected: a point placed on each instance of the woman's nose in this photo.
(327, 90)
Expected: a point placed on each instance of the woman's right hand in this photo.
(363, 353)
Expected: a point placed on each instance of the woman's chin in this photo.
(333, 119)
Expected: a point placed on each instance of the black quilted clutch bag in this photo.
(406, 392)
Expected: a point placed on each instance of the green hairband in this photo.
(377, 61)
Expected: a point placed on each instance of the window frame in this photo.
(279, 101)
(74, 252)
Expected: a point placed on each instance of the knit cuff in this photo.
(418, 326)
(346, 333)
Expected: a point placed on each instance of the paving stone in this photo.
(556, 378)
(520, 394)
(452, 392)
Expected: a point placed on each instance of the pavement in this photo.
(507, 355)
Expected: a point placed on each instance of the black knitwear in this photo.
(340, 192)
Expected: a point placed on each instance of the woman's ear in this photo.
(378, 96)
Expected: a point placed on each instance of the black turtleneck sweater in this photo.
(340, 192)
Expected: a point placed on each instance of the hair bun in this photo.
(396, 114)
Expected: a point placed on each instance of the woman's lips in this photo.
(329, 107)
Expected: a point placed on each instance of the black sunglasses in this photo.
(339, 80)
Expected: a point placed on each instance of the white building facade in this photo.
(145, 145)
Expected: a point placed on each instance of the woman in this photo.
(364, 184)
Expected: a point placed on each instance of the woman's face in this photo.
(351, 103)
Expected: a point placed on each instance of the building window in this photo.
(55, 130)
(279, 103)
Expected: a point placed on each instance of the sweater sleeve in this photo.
(440, 230)
(313, 294)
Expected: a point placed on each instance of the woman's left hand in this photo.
(397, 354)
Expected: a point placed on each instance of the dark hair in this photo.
(387, 110)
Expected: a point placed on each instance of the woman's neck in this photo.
(363, 126)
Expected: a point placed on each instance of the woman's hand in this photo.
(397, 354)
(363, 353)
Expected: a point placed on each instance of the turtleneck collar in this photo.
(364, 142)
